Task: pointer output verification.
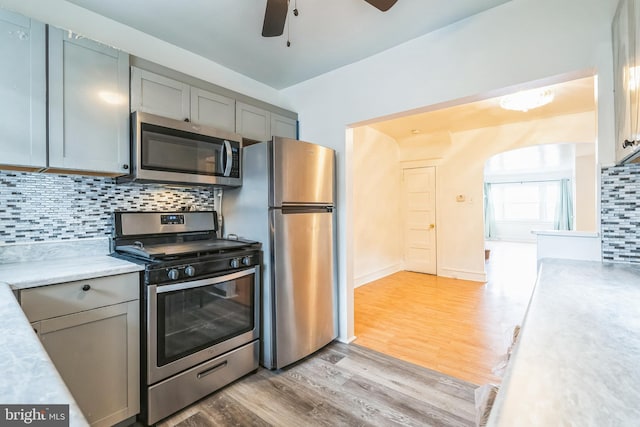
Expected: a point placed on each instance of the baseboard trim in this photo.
(346, 340)
(474, 276)
(363, 280)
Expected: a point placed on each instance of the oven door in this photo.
(192, 322)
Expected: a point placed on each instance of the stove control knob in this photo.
(173, 274)
(234, 263)
(189, 271)
(246, 260)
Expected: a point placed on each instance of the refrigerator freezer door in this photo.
(302, 284)
(302, 173)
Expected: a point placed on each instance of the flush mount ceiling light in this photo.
(527, 100)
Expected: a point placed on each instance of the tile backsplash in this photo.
(38, 206)
(620, 224)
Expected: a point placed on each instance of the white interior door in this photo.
(419, 189)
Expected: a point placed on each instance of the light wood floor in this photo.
(456, 327)
(341, 385)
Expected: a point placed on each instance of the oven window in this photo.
(193, 319)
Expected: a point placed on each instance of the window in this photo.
(527, 201)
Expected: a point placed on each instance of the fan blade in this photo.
(274, 17)
(383, 5)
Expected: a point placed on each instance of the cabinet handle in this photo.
(86, 288)
(211, 370)
(125, 167)
(187, 119)
(627, 143)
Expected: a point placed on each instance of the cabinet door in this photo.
(626, 72)
(253, 122)
(283, 126)
(97, 355)
(22, 91)
(634, 72)
(211, 109)
(88, 105)
(156, 94)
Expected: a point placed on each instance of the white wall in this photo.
(518, 42)
(89, 24)
(460, 162)
(586, 218)
(519, 231)
(377, 233)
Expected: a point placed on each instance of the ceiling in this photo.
(327, 34)
(575, 96)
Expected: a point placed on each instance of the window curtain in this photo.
(489, 213)
(564, 208)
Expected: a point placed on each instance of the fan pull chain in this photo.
(288, 38)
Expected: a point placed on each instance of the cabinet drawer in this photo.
(71, 297)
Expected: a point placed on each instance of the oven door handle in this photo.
(204, 282)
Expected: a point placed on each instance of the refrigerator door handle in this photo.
(290, 209)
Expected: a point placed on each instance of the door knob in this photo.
(432, 226)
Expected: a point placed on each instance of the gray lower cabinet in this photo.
(90, 329)
(23, 92)
(88, 105)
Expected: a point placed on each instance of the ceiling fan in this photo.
(276, 14)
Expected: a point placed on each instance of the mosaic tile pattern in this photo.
(38, 206)
(621, 214)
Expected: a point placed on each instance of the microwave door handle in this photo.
(228, 158)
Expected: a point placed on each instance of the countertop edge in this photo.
(19, 276)
(581, 327)
(29, 376)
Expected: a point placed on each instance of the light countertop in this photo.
(28, 374)
(29, 274)
(566, 233)
(577, 362)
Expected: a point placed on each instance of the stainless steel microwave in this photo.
(176, 152)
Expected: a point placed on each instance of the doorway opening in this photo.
(456, 142)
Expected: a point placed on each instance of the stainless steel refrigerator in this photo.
(287, 202)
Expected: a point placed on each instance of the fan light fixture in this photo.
(527, 100)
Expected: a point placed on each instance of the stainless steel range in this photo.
(200, 298)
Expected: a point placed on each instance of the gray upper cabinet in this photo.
(88, 105)
(260, 125)
(156, 94)
(23, 92)
(212, 109)
(626, 63)
(253, 122)
(163, 96)
(283, 126)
